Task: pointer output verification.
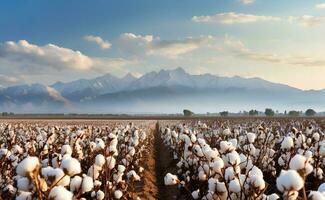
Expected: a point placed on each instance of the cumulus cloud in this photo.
(307, 20)
(247, 1)
(103, 44)
(320, 6)
(33, 58)
(240, 50)
(150, 45)
(57, 96)
(233, 18)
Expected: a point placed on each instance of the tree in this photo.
(224, 113)
(310, 112)
(187, 112)
(269, 112)
(294, 113)
(253, 112)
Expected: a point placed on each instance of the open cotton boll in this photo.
(287, 143)
(257, 182)
(315, 195)
(299, 162)
(111, 161)
(75, 183)
(118, 194)
(233, 158)
(197, 150)
(226, 131)
(94, 171)
(134, 175)
(273, 196)
(60, 193)
(196, 194)
(27, 166)
(71, 166)
(289, 180)
(99, 160)
(24, 196)
(87, 184)
(234, 186)
(66, 150)
(170, 179)
(23, 184)
(217, 165)
(100, 195)
(321, 188)
(202, 176)
(100, 144)
(251, 137)
(212, 183)
(58, 176)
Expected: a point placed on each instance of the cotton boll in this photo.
(100, 195)
(202, 176)
(233, 158)
(60, 193)
(132, 174)
(170, 179)
(289, 180)
(99, 160)
(315, 195)
(100, 144)
(87, 184)
(66, 150)
(273, 196)
(118, 194)
(299, 162)
(121, 168)
(58, 176)
(23, 184)
(217, 165)
(75, 183)
(111, 161)
(257, 182)
(226, 132)
(251, 137)
(234, 186)
(212, 183)
(287, 143)
(71, 166)
(24, 196)
(196, 194)
(94, 171)
(27, 166)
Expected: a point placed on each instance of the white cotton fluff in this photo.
(234, 186)
(196, 194)
(233, 158)
(299, 162)
(217, 165)
(111, 161)
(226, 146)
(71, 166)
(170, 179)
(27, 166)
(257, 182)
(118, 194)
(289, 179)
(66, 150)
(121, 168)
(99, 160)
(100, 144)
(197, 150)
(75, 183)
(58, 174)
(226, 131)
(24, 196)
(273, 196)
(23, 184)
(94, 171)
(202, 176)
(100, 195)
(251, 137)
(212, 183)
(60, 193)
(315, 195)
(87, 184)
(287, 143)
(134, 175)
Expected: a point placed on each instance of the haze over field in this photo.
(161, 56)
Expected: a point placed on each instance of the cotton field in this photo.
(219, 159)
(62, 162)
(249, 160)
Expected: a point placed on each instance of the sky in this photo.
(47, 41)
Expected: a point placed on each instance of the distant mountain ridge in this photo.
(158, 92)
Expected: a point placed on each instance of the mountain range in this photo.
(166, 91)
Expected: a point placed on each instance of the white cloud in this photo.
(57, 96)
(307, 20)
(247, 1)
(233, 18)
(99, 41)
(150, 45)
(320, 6)
(33, 58)
(173, 49)
(240, 50)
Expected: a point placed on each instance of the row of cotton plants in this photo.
(71, 162)
(249, 160)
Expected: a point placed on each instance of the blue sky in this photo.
(47, 41)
